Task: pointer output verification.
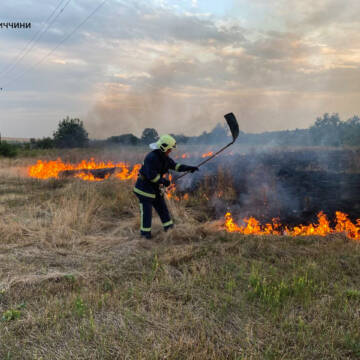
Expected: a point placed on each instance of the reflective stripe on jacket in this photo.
(156, 164)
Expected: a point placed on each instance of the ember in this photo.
(207, 154)
(322, 228)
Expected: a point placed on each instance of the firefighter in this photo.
(147, 187)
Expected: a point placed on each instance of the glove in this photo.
(193, 169)
(165, 182)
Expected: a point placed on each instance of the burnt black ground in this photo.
(292, 185)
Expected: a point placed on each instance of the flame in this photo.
(170, 193)
(252, 226)
(207, 154)
(52, 169)
(170, 190)
(184, 156)
(126, 174)
(90, 177)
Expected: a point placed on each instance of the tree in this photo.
(327, 130)
(181, 139)
(70, 134)
(125, 139)
(328, 121)
(149, 136)
(351, 131)
(218, 134)
(8, 150)
(44, 143)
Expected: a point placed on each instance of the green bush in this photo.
(44, 143)
(8, 150)
(70, 134)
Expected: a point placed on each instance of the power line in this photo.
(35, 39)
(59, 44)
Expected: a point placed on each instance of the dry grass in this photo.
(76, 282)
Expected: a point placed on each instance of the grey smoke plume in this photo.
(186, 80)
(291, 185)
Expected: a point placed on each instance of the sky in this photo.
(177, 66)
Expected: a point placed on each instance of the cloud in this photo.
(139, 64)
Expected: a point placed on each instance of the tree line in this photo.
(328, 130)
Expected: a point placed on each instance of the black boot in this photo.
(145, 234)
(166, 228)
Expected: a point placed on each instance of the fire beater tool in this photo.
(234, 129)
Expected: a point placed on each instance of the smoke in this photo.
(293, 186)
(183, 112)
(181, 73)
(275, 64)
(164, 110)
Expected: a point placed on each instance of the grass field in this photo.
(77, 282)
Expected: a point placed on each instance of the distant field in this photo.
(10, 139)
(77, 282)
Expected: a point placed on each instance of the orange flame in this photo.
(90, 177)
(126, 174)
(207, 154)
(184, 156)
(171, 195)
(170, 190)
(322, 228)
(51, 169)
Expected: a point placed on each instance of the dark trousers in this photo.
(146, 205)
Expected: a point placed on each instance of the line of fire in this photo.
(303, 193)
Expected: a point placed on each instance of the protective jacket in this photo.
(156, 164)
